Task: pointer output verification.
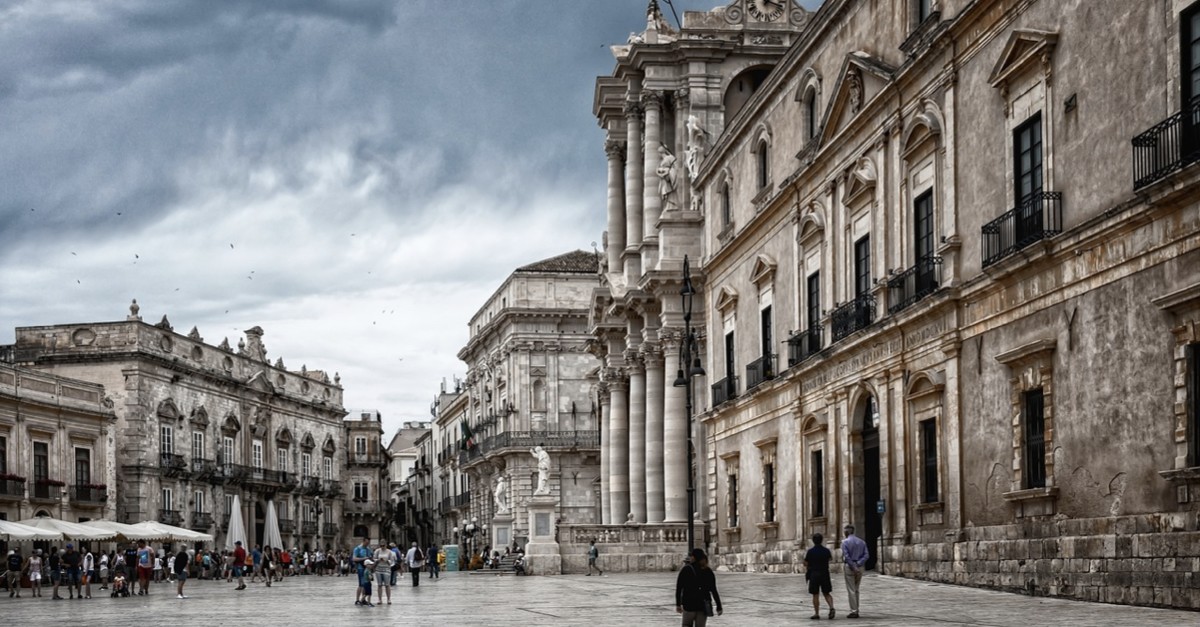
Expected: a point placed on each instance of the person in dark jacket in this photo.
(696, 591)
(180, 566)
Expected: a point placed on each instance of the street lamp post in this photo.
(689, 361)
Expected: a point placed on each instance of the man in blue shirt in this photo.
(362, 553)
(854, 555)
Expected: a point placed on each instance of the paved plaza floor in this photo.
(626, 600)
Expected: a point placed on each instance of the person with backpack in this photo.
(416, 560)
(14, 565)
(593, 554)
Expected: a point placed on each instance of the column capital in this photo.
(613, 377)
(681, 99)
(652, 99)
(633, 111)
(670, 338)
(633, 361)
(652, 355)
(614, 149)
(602, 391)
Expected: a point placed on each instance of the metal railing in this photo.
(12, 489)
(445, 505)
(170, 517)
(45, 491)
(331, 488)
(914, 283)
(355, 506)
(645, 533)
(172, 464)
(329, 530)
(308, 528)
(462, 500)
(853, 316)
(760, 371)
(724, 390)
(310, 485)
(201, 520)
(804, 344)
(524, 440)
(287, 525)
(1038, 217)
(86, 494)
(1167, 147)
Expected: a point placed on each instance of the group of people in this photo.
(379, 565)
(74, 569)
(696, 596)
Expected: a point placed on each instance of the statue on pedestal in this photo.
(697, 140)
(543, 466)
(501, 495)
(668, 175)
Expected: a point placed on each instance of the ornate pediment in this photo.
(308, 443)
(860, 182)
(1024, 48)
(258, 381)
(329, 446)
(726, 299)
(199, 417)
(862, 78)
(168, 410)
(763, 271)
(283, 438)
(231, 425)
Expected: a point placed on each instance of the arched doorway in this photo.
(872, 529)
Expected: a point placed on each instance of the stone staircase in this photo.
(505, 567)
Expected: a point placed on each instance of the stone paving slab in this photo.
(751, 600)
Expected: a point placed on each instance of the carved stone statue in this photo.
(668, 175)
(134, 308)
(543, 466)
(855, 86)
(501, 495)
(696, 145)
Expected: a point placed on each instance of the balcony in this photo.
(331, 488)
(170, 517)
(724, 390)
(760, 371)
(915, 283)
(287, 525)
(232, 473)
(524, 440)
(329, 530)
(1167, 147)
(173, 464)
(805, 344)
(201, 521)
(203, 468)
(310, 486)
(1037, 218)
(308, 528)
(356, 507)
(46, 490)
(445, 505)
(365, 458)
(89, 495)
(12, 489)
(289, 480)
(854, 316)
(462, 500)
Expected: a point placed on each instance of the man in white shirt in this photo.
(89, 572)
(415, 560)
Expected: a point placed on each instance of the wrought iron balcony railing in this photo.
(724, 390)
(310, 485)
(760, 371)
(173, 464)
(170, 517)
(804, 344)
(88, 495)
(201, 520)
(329, 530)
(1167, 147)
(915, 283)
(355, 506)
(1038, 217)
(332, 488)
(287, 525)
(46, 490)
(462, 500)
(11, 489)
(308, 528)
(853, 316)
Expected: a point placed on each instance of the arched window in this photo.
(810, 114)
(726, 206)
(764, 165)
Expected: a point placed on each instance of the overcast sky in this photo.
(354, 176)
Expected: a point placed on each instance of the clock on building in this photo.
(765, 10)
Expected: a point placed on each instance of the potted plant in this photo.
(51, 482)
(8, 476)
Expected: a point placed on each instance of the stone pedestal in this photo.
(542, 555)
(502, 525)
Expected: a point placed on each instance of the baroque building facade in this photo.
(56, 438)
(529, 383)
(197, 424)
(368, 506)
(950, 279)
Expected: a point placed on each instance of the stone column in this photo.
(675, 467)
(637, 435)
(605, 498)
(655, 375)
(633, 175)
(652, 205)
(616, 205)
(618, 448)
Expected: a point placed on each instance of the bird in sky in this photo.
(231, 247)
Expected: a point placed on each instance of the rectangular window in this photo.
(862, 266)
(167, 439)
(360, 446)
(1035, 439)
(924, 10)
(360, 491)
(306, 464)
(731, 484)
(813, 293)
(1189, 39)
(256, 453)
(1193, 403)
(726, 206)
(228, 505)
(328, 467)
(764, 166)
(929, 461)
(769, 493)
(817, 477)
(328, 512)
(41, 460)
(197, 445)
(3, 455)
(281, 460)
(1027, 159)
(283, 509)
(167, 501)
(765, 326)
(730, 356)
(227, 451)
(83, 466)
(923, 226)
(198, 502)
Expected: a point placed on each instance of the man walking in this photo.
(854, 555)
(180, 566)
(816, 571)
(416, 560)
(239, 563)
(145, 567)
(431, 557)
(593, 555)
(15, 564)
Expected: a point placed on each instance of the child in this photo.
(118, 585)
(365, 581)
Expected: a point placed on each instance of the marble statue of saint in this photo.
(543, 466)
(501, 495)
(668, 175)
(697, 139)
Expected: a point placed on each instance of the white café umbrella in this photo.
(173, 533)
(130, 533)
(72, 531)
(271, 535)
(237, 530)
(16, 532)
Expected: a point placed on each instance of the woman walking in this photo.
(696, 591)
